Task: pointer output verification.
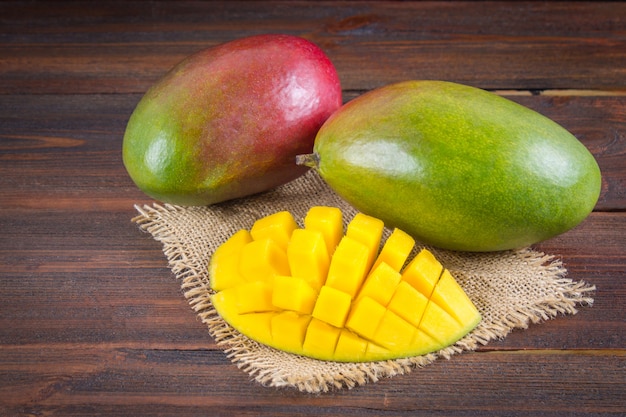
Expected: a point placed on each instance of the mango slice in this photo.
(316, 292)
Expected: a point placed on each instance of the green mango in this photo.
(228, 121)
(455, 166)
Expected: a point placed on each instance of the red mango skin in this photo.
(228, 121)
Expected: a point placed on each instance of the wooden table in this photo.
(93, 321)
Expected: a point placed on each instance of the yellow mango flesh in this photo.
(368, 231)
(396, 250)
(308, 257)
(293, 294)
(277, 227)
(329, 222)
(261, 260)
(348, 266)
(316, 292)
(332, 306)
(381, 284)
(227, 256)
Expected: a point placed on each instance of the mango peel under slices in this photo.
(316, 292)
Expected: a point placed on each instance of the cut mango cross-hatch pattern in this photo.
(318, 292)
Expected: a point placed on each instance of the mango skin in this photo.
(228, 121)
(457, 167)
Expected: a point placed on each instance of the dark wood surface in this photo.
(92, 321)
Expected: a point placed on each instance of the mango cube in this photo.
(427, 344)
(262, 260)
(423, 272)
(224, 264)
(350, 347)
(260, 323)
(438, 324)
(254, 325)
(449, 295)
(332, 306)
(365, 316)
(224, 271)
(289, 329)
(329, 222)
(321, 339)
(308, 257)
(348, 266)
(253, 297)
(376, 352)
(381, 284)
(408, 303)
(393, 332)
(368, 230)
(396, 250)
(277, 227)
(293, 293)
(234, 243)
(315, 292)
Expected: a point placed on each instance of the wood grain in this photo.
(123, 47)
(129, 381)
(92, 320)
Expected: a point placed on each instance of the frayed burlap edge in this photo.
(511, 289)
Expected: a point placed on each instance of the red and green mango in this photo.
(456, 167)
(228, 121)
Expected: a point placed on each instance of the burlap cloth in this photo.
(510, 289)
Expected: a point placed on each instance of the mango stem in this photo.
(311, 160)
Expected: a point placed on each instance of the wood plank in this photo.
(535, 45)
(55, 381)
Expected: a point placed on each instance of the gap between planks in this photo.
(560, 92)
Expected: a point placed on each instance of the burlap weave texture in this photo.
(511, 289)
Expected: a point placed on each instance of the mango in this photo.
(456, 167)
(348, 310)
(228, 121)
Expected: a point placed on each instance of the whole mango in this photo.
(457, 167)
(228, 121)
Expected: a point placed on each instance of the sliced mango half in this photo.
(352, 297)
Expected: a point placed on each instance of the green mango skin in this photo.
(228, 121)
(457, 167)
